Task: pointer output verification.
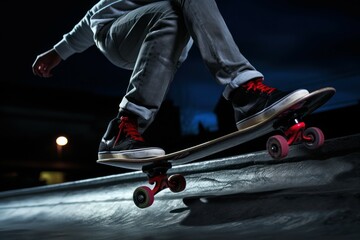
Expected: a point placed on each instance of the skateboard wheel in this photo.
(177, 183)
(143, 197)
(277, 147)
(313, 138)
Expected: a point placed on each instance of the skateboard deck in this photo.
(287, 122)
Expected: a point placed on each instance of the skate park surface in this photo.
(310, 194)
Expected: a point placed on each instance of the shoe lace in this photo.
(257, 85)
(129, 127)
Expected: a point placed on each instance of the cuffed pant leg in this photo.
(216, 44)
(149, 40)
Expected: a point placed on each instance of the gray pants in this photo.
(151, 41)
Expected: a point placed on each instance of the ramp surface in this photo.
(313, 195)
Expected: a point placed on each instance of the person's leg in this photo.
(253, 102)
(215, 42)
(148, 40)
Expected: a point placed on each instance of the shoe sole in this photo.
(270, 111)
(132, 153)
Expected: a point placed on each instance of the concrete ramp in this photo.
(311, 194)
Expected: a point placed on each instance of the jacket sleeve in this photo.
(81, 37)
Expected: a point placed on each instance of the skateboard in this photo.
(288, 128)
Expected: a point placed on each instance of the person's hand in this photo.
(45, 62)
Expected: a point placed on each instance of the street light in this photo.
(61, 141)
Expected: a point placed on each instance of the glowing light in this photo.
(61, 141)
(52, 177)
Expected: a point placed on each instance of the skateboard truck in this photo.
(157, 174)
(294, 131)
